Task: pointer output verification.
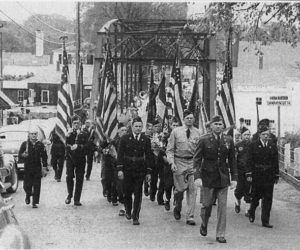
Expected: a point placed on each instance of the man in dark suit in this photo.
(76, 147)
(263, 170)
(89, 130)
(133, 164)
(213, 158)
(57, 156)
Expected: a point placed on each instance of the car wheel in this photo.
(13, 179)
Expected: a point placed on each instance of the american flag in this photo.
(178, 98)
(170, 99)
(65, 102)
(106, 116)
(225, 101)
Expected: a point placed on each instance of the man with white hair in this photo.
(33, 152)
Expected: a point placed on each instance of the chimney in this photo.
(39, 43)
(57, 66)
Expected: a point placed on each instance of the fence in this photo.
(289, 163)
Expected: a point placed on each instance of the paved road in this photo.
(97, 225)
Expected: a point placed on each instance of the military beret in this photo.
(244, 129)
(187, 112)
(207, 124)
(136, 119)
(263, 129)
(216, 118)
(75, 118)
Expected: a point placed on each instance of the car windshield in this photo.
(14, 136)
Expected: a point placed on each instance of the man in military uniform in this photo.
(89, 130)
(33, 152)
(264, 123)
(180, 150)
(243, 186)
(76, 148)
(213, 158)
(263, 170)
(134, 163)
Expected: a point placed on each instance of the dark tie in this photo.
(136, 138)
(218, 139)
(188, 133)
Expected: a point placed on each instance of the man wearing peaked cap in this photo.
(263, 171)
(264, 124)
(214, 159)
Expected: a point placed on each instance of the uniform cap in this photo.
(216, 118)
(264, 122)
(75, 118)
(263, 129)
(121, 125)
(243, 130)
(155, 122)
(136, 119)
(186, 113)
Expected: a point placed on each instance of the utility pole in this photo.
(78, 85)
(1, 53)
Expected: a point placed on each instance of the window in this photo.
(45, 96)
(258, 100)
(248, 122)
(272, 121)
(20, 95)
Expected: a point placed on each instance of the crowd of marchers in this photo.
(163, 163)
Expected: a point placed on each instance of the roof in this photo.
(45, 74)
(279, 66)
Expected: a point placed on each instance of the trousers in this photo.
(209, 196)
(58, 165)
(89, 160)
(32, 185)
(180, 186)
(133, 185)
(75, 169)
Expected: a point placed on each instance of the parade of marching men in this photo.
(149, 125)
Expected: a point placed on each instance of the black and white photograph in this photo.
(149, 124)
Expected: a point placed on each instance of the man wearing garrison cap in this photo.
(243, 186)
(263, 171)
(180, 151)
(215, 160)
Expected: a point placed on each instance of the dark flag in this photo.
(151, 108)
(106, 116)
(197, 107)
(65, 102)
(79, 89)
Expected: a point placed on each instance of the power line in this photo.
(31, 32)
(40, 20)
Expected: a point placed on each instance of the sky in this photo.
(21, 10)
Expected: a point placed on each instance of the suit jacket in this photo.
(135, 156)
(213, 161)
(259, 156)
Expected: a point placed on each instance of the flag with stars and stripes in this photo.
(106, 116)
(65, 102)
(178, 98)
(225, 100)
(170, 99)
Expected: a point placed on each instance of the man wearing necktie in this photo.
(263, 171)
(214, 159)
(133, 164)
(180, 151)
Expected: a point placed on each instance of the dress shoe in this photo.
(191, 222)
(108, 199)
(135, 222)
(203, 230)
(77, 203)
(122, 212)
(237, 208)
(58, 180)
(34, 206)
(247, 214)
(167, 205)
(87, 178)
(152, 198)
(221, 240)
(128, 216)
(115, 204)
(146, 193)
(161, 203)
(266, 224)
(27, 199)
(251, 217)
(68, 200)
(177, 214)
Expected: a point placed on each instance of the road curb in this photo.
(290, 179)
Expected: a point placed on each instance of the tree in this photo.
(96, 14)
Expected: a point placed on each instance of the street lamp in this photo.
(258, 102)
